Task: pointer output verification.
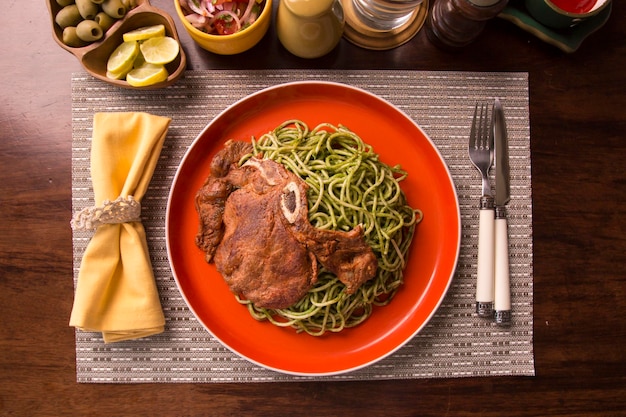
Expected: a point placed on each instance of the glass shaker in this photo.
(310, 28)
(457, 23)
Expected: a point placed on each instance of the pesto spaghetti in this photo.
(348, 186)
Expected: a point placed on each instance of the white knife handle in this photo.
(502, 303)
(485, 277)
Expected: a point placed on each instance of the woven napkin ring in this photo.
(121, 210)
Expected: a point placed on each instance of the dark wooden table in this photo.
(578, 130)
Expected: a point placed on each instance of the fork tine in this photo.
(472, 142)
(484, 142)
(491, 135)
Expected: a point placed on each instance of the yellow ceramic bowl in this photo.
(230, 44)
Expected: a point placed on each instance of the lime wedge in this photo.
(116, 75)
(122, 58)
(160, 51)
(147, 74)
(144, 33)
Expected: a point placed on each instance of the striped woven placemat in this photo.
(454, 343)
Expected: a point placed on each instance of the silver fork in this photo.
(481, 155)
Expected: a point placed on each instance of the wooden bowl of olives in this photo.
(92, 30)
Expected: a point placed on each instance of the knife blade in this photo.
(502, 298)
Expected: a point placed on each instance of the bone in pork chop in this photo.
(254, 225)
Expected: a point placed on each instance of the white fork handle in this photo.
(485, 278)
(502, 281)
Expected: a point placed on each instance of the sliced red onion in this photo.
(231, 14)
(198, 6)
(246, 14)
(195, 19)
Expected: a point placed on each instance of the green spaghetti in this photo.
(348, 185)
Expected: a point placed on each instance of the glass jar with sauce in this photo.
(310, 28)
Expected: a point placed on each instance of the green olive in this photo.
(129, 4)
(87, 9)
(68, 16)
(70, 38)
(64, 3)
(97, 1)
(89, 31)
(114, 8)
(104, 20)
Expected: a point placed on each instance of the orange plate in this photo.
(433, 254)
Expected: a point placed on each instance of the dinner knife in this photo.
(502, 296)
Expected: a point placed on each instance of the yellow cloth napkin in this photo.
(116, 292)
